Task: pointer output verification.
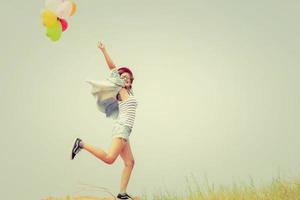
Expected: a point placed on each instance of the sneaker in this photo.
(76, 148)
(124, 196)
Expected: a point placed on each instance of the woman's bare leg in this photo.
(128, 159)
(116, 147)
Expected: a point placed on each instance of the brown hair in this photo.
(122, 70)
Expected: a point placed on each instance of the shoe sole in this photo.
(132, 198)
(72, 149)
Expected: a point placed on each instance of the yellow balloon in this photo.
(48, 18)
(73, 10)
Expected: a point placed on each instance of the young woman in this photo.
(116, 100)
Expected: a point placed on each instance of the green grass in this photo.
(278, 189)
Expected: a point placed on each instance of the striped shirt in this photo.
(127, 110)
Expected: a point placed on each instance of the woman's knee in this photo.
(130, 163)
(109, 160)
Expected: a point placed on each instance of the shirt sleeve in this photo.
(115, 77)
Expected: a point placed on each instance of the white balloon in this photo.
(64, 9)
(53, 4)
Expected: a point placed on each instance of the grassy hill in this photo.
(279, 189)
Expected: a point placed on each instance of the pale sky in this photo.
(217, 85)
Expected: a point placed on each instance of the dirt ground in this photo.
(84, 198)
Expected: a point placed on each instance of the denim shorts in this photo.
(121, 131)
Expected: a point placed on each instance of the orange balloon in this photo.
(73, 10)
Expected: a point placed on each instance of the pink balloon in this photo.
(64, 24)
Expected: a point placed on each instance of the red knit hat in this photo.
(121, 70)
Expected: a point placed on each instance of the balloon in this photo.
(64, 9)
(54, 17)
(63, 23)
(48, 18)
(73, 10)
(53, 4)
(54, 32)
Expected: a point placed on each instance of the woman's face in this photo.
(127, 78)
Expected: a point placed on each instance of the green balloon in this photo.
(54, 32)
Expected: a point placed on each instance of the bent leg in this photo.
(116, 147)
(128, 159)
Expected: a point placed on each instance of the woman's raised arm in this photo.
(108, 60)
